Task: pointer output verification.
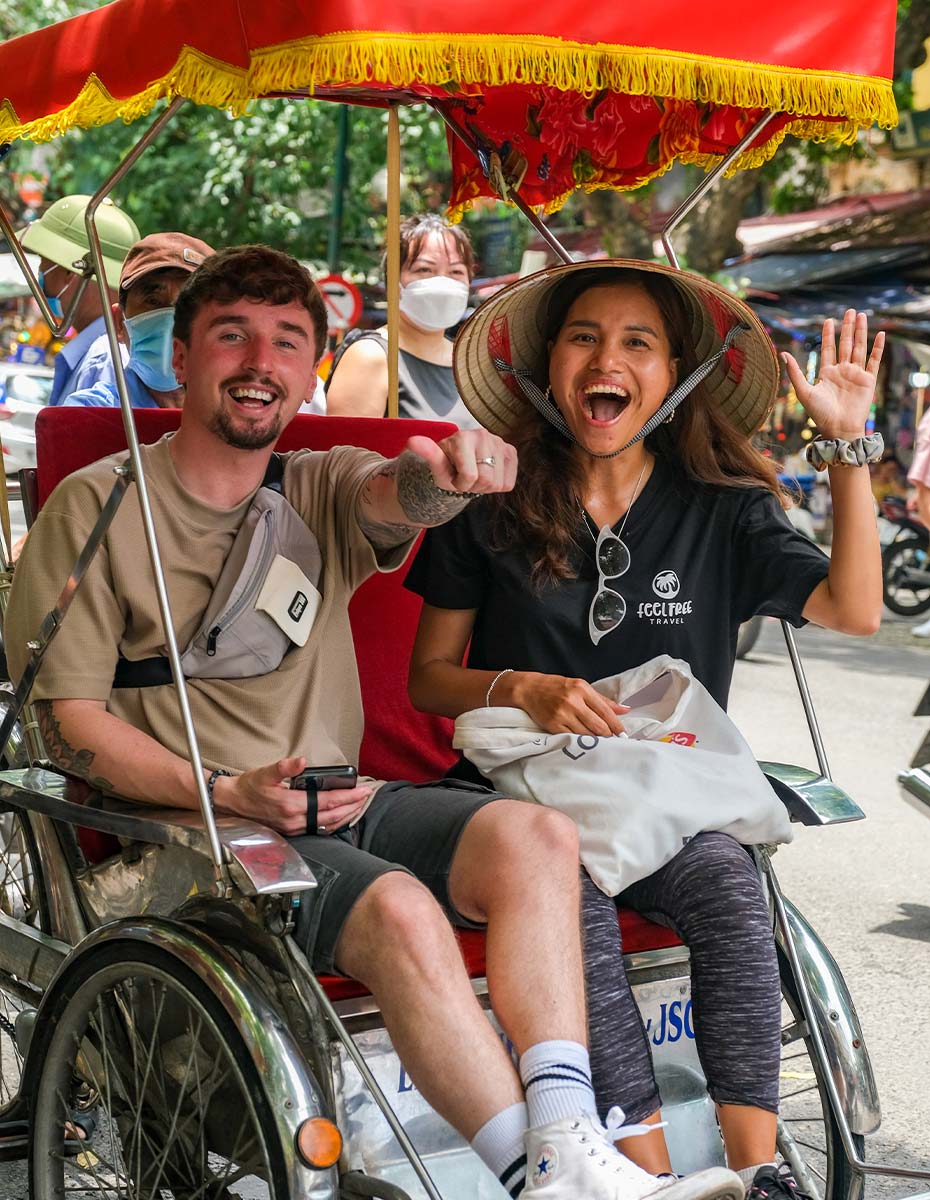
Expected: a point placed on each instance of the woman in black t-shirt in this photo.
(632, 392)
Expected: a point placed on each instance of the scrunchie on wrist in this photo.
(836, 452)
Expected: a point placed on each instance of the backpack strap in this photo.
(156, 672)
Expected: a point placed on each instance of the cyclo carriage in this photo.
(146, 968)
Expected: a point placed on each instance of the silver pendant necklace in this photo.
(606, 529)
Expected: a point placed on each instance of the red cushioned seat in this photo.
(399, 743)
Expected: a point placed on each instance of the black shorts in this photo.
(408, 827)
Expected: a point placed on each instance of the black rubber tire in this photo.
(29, 904)
(895, 558)
(841, 1182)
(84, 997)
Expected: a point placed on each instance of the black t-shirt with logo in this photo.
(703, 559)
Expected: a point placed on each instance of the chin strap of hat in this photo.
(544, 404)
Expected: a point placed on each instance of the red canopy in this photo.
(557, 94)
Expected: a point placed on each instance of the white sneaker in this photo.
(576, 1159)
(921, 630)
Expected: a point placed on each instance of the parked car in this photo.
(23, 391)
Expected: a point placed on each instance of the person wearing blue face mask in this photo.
(59, 237)
(155, 269)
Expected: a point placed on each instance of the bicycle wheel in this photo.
(905, 599)
(22, 897)
(182, 1112)
(808, 1135)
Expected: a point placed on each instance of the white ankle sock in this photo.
(748, 1174)
(499, 1145)
(557, 1080)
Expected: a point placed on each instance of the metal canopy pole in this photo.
(513, 195)
(56, 327)
(145, 507)
(340, 177)
(707, 183)
(392, 274)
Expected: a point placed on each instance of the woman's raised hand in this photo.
(561, 705)
(840, 399)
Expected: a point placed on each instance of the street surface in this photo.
(866, 886)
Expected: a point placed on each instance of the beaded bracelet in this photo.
(458, 495)
(836, 452)
(211, 782)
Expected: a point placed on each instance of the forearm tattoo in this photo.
(422, 500)
(62, 753)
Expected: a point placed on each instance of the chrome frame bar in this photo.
(164, 606)
(858, 1164)
(807, 699)
(57, 328)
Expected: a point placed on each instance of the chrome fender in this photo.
(293, 1094)
(847, 1057)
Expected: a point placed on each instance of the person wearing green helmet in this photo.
(60, 239)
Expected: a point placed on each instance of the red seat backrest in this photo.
(399, 742)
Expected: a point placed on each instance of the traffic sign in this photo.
(343, 302)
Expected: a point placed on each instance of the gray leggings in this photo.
(711, 895)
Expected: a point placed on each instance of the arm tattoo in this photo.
(62, 753)
(420, 497)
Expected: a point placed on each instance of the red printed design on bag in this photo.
(680, 738)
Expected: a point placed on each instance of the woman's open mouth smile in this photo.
(603, 404)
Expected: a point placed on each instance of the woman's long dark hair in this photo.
(540, 515)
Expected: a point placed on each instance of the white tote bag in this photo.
(680, 768)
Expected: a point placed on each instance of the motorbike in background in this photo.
(905, 559)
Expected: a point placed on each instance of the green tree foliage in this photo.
(266, 177)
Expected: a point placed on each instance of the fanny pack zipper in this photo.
(248, 592)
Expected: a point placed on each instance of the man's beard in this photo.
(252, 437)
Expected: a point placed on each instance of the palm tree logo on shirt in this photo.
(666, 585)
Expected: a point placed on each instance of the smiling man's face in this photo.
(247, 367)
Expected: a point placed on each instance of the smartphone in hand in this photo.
(324, 779)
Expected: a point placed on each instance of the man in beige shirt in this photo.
(249, 330)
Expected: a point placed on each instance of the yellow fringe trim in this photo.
(361, 58)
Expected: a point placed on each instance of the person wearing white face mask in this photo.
(153, 273)
(436, 267)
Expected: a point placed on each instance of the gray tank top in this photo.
(431, 393)
(426, 390)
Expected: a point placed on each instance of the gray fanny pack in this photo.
(264, 602)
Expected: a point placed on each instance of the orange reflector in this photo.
(319, 1142)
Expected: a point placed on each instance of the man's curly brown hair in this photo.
(250, 273)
